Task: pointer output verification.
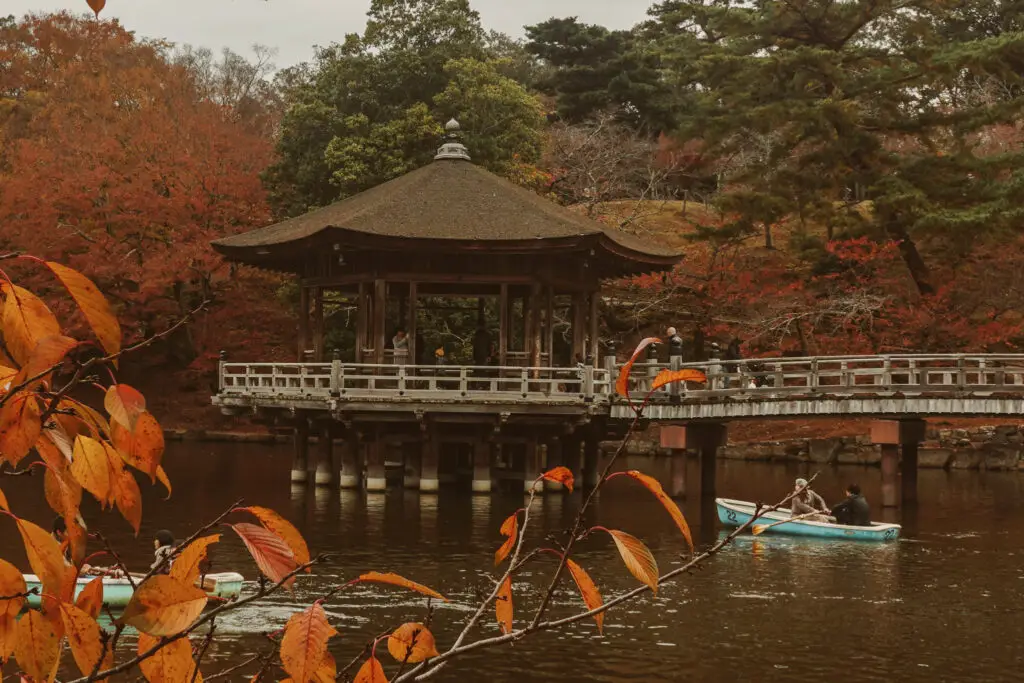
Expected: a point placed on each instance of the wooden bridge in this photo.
(514, 418)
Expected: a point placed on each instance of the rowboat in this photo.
(117, 591)
(736, 513)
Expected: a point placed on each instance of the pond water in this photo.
(944, 603)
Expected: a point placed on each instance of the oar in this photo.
(759, 529)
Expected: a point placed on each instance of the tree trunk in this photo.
(915, 263)
(768, 236)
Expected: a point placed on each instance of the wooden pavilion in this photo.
(449, 230)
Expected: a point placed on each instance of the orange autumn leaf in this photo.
(83, 416)
(622, 382)
(591, 596)
(654, 487)
(97, 7)
(172, 663)
(402, 582)
(20, 427)
(124, 405)
(7, 376)
(186, 568)
(503, 605)
(371, 672)
(48, 353)
(36, 646)
(672, 376)
(304, 644)
(327, 672)
(284, 529)
(91, 468)
(3, 502)
(412, 643)
(90, 600)
(25, 320)
(93, 304)
(84, 638)
(161, 476)
(124, 490)
(12, 582)
(143, 446)
(560, 475)
(272, 555)
(509, 529)
(44, 554)
(164, 606)
(637, 557)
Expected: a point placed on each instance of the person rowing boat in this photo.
(808, 504)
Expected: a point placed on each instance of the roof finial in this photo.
(453, 147)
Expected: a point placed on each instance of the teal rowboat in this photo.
(738, 512)
(118, 591)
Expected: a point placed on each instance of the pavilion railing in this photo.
(391, 381)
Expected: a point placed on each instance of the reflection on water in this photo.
(939, 605)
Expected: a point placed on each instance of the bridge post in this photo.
(674, 439)
(481, 465)
(325, 465)
(892, 436)
(707, 438)
(429, 459)
(675, 360)
(376, 475)
(411, 465)
(300, 460)
(351, 464)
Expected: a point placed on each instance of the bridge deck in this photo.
(754, 388)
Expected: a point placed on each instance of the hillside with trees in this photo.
(842, 177)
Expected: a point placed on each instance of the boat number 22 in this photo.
(731, 516)
(890, 534)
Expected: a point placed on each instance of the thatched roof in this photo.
(451, 204)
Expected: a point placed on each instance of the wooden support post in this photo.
(533, 326)
(570, 451)
(504, 329)
(579, 332)
(318, 324)
(532, 468)
(411, 457)
(549, 325)
(706, 439)
(594, 320)
(429, 458)
(300, 461)
(890, 465)
(591, 456)
(376, 475)
(303, 341)
(325, 472)
(554, 459)
(380, 302)
(362, 322)
(908, 473)
(481, 465)
(351, 463)
(414, 351)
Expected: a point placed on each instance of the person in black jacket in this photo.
(854, 511)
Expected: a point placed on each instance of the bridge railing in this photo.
(841, 375)
(396, 381)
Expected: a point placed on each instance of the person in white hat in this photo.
(808, 501)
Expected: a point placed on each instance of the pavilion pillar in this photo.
(579, 332)
(413, 312)
(533, 327)
(303, 341)
(376, 475)
(549, 325)
(429, 459)
(318, 324)
(362, 322)
(300, 460)
(481, 465)
(532, 468)
(593, 320)
(351, 463)
(326, 469)
(503, 326)
(380, 302)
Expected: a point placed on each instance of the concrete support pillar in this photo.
(591, 454)
(376, 476)
(411, 465)
(351, 464)
(890, 463)
(300, 461)
(571, 452)
(325, 466)
(677, 473)
(892, 436)
(429, 459)
(908, 472)
(705, 438)
(481, 466)
(554, 459)
(532, 468)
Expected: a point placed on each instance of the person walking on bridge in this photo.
(807, 501)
